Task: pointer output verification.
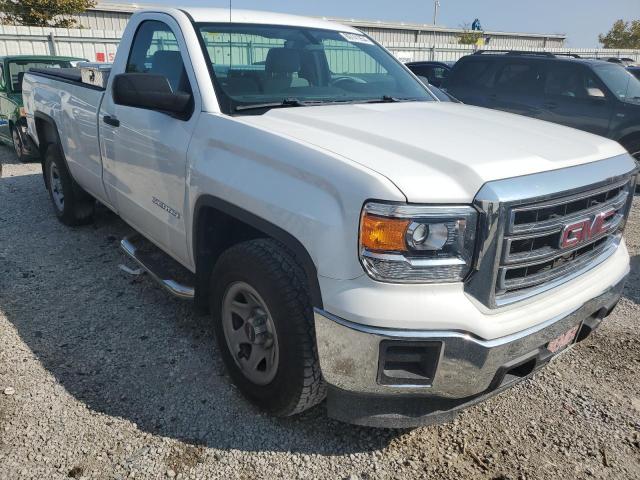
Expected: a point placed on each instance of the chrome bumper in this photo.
(468, 366)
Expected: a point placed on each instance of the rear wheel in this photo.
(71, 204)
(18, 144)
(264, 327)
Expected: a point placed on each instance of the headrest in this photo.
(166, 58)
(282, 60)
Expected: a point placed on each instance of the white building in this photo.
(114, 16)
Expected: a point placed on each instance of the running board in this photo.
(155, 270)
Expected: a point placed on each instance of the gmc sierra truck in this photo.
(353, 237)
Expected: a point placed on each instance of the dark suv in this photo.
(591, 95)
(433, 71)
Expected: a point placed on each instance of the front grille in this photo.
(534, 253)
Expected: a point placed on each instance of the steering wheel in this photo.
(335, 82)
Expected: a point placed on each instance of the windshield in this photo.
(262, 66)
(17, 69)
(621, 82)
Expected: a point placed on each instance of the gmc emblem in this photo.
(584, 230)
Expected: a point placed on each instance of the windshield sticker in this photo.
(355, 38)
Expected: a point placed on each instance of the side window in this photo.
(439, 73)
(472, 74)
(569, 81)
(421, 71)
(155, 50)
(520, 77)
(2, 82)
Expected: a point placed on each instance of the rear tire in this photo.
(261, 306)
(71, 204)
(18, 144)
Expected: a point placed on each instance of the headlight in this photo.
(417, 244)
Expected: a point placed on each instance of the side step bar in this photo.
(175, 288)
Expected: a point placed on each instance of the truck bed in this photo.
(70, 74)
(95, 75)
(73, 106)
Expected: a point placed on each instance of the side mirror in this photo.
(152, 92)
(596, 94)
(423, 79)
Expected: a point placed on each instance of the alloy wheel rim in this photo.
(250, 333)
(56, 187)
(17, 143)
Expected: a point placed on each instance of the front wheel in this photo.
(634, 149)
(263, 320)
(71, 204)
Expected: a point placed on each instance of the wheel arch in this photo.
(234, 225)
(47, 133)
(630, 137)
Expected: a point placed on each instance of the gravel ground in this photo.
(103, 375)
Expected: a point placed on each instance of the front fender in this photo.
(313, 195)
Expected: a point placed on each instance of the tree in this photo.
(469, 37)
(43, 13)
(622, 35)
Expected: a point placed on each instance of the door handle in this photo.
(551, 105)
(109, 120)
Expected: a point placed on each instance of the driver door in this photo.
(145, 151)
(574, 97)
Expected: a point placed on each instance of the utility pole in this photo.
(436, 6)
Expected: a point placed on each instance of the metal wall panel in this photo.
(101, 44)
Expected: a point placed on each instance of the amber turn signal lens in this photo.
(383, 234)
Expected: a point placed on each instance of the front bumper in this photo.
(467, 369)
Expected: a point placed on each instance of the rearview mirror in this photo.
(152, 92)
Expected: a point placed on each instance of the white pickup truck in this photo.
(353, 237)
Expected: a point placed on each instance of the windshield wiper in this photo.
(295, 102)
(287, 102)
(386, 99)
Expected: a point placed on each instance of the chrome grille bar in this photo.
(526, 222)
(532, 252)
(547, 252)
(557, 222)
(574, 260)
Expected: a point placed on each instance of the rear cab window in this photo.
(17, 69)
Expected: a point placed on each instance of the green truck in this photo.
(13, 124)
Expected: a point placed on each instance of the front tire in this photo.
(634, 149)
(71, 204)
(263, 320)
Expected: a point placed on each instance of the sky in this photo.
(580, 20)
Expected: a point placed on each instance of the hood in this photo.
(437, 152)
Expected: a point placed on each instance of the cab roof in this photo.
(222, 15)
